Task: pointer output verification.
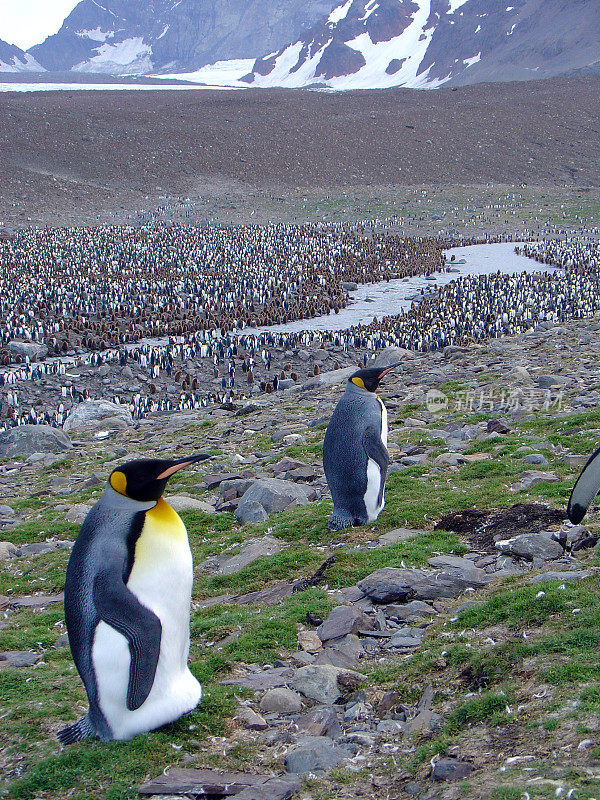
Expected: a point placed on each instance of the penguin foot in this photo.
(81, 729)
(339, 520)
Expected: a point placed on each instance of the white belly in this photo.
(161, 579)
(374, 474)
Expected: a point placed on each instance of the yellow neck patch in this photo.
(359, 382)
(118, 481)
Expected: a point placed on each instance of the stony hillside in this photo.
(449, 650)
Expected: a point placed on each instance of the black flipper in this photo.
(586, 488)
(121, 609)
(81, 729)
(375, 449)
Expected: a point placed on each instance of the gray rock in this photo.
(450, 769)
(6, 511)
(252, 549)
(238, 485)
(450, 460)
(40, 548)
(250, 719)
(349, 286)
(342, 621)
(8, 550)
(324, 682)
(78, 513)
(273, 495)
(459, 566)
(391, 726)
(16, 658)
(321, 721)
(405, 637)
(410, 612)
(531, 545)
(28, 439)
(251, 512)
(548, 381)
(286, 383)
(398, 535)
(392, 355)
(281, 701)
(33, 350)
(531, 476)
(94, 414)
(205, 782)
(273, 789)
(314, 754)
(343, 653)
(535, 458)
(333, 378)
(389, 585)
(181, 502)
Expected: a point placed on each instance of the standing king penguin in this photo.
(355, 456)
(586, 488)
(127, 606)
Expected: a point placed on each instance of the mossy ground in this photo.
(515, 675)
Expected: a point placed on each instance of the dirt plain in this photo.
(253, 156)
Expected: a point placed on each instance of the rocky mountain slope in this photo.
(426, 43)
(13, 59)
(343, 44)
(138, 37)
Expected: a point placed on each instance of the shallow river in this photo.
(381, 299)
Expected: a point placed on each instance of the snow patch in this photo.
(339, 13)
(468, 62)
(370, 7)
(96, 35)
(281, 74)
(129, 57)
(105, 87)
(477, 29)
(219, 74)
(455, 5)
(510, 32)
(165, 29)
(108, 11)
(19, 65)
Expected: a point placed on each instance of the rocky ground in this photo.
(447, 651)
(253, 156)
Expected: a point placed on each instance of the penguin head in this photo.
(145, 480)
(369, 378)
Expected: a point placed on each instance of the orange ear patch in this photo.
(118, 481)
(172, 470)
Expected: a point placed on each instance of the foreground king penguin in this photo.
(127, 606)
(586, 488)
(355, 456)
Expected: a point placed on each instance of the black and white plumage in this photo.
(355, 456)
(586, 488)
(127, 607)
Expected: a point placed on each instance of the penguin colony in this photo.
(129, 267)
(127, 606)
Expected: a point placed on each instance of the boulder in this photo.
(325, 683)
(281, 701)
(252, 549)
(391, 355)
(398, 535)
(314, 754)
(332, 378)
(320, 721)
(342, 621)
(531, 545)
(451, 769)
(181, 502)
(273, 495)
(8, 550)
(94, 414)
(531, 476)
(390, 585)
(33, 350)
(250, 719)
(28, 439)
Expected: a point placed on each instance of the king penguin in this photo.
(355, 456)
(586, 488)
(127, 606)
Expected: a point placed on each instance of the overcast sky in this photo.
(28, 22)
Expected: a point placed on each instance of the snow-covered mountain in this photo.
(342, 44)
(127, 37)
(426, 43)
(13, 59)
